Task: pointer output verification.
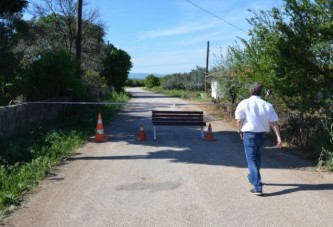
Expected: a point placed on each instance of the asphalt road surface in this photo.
(176, 180)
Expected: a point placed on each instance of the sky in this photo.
(170, 36)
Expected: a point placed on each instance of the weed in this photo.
(26, 159)
(184, 94)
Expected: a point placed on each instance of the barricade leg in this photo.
(154, 127)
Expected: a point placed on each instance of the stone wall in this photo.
(26, 116)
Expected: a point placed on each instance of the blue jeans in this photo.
(253, 146)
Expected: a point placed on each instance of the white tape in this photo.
(131, 103)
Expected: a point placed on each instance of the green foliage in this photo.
(35, 159)
(305, 126)
(326, 156)
(52, 75)
(10, 69)
(289, 53)
(116, 66)
(118, 97)
(193, 95)
(12, 29)
(135, 83)
(54, 26)
(152, 81)
(192, 81)
(27, 158)
(94, 84)
(12, 6)
(225, 75)
(53, 32)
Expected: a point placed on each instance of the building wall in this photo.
(215, 90)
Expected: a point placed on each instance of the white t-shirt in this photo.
(257, 114)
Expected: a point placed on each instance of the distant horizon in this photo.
(134, 75)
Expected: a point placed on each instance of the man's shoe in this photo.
(255, 192)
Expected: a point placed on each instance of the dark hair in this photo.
(256, 88)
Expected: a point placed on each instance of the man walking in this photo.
(254, 116)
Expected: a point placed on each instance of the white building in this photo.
(215, 88)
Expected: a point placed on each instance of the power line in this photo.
(214, 15)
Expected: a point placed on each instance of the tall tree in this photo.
(116, 66)
(55, 24)
(11, 30)
(290, 50)
(52, 75)
(11, 7)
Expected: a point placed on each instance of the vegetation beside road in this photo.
(315, 144)
(183, 94)
(287, 52)
(29, 157)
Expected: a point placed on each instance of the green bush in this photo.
(10, 91)
(300, 128)
(19, 177)
(194, 95)
(52, 75)
(326, 157)
(5, 99)
(152, 81)
(135, 83)
(192, 81)
(94, 84)
(27, 158)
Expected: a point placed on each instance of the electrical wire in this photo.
(214, 15)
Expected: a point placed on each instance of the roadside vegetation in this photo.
(38, 62)
(183, 94)
(310, 137)
(27, 158)
(39, 56)
(291, 54)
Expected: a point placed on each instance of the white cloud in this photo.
(177, 30)
(169, 61)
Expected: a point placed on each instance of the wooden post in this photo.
(207, 60)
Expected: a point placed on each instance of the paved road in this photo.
(176, 180)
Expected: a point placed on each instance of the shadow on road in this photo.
(184, 145)
(188, 147)
(298, 187)
(184, 150)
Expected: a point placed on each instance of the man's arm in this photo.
(276, 130)
(239, 123)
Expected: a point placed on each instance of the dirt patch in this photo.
(224, 112)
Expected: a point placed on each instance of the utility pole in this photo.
(207, 60)
(79, 37)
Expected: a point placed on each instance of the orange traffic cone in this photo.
(141, 134)
(99, 135)
(209, 136)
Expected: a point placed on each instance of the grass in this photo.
(27, 158)
(192, 95)
(326, 156)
